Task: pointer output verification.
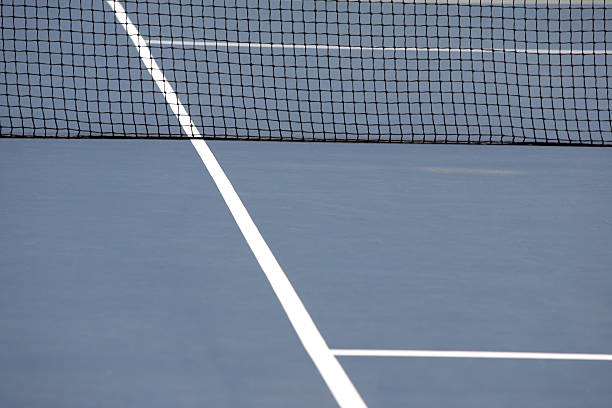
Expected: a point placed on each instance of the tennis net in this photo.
(453, 71)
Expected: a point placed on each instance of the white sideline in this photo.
(332, 372)
(471, 354)
(228, 44)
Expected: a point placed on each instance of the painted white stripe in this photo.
(332, 372)
(483, 2)
(226, 44)
(489, 2)
(471, 354)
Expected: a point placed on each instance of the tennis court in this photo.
(464, 262)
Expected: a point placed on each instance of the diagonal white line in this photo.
(227, 44)
(332, 372)
(471, 354)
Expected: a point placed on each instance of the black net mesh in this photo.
(497, 71)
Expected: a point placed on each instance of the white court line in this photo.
(332, 372)
(486, 2)
(482, 2)
(229, 44)
(471, 354)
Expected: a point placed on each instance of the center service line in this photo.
(333, 374)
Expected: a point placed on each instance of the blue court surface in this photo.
(125, 280)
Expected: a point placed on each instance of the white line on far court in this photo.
(471, 354)
(489, 2)
(227, 44)
(332, 372)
